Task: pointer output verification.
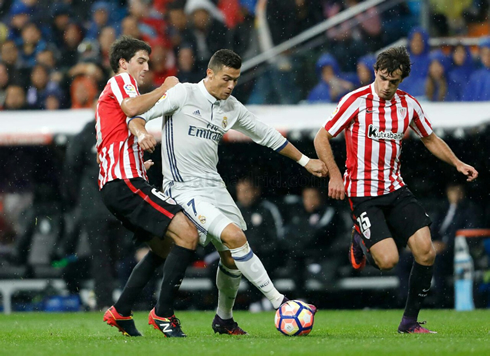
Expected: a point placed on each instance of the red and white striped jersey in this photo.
(117, 148)
(374, 129)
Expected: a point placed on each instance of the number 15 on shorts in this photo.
(364, 225)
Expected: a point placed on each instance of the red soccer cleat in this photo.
(125, 324)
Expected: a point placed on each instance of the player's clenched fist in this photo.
(317, 168)
(147, 142)
(169, 82)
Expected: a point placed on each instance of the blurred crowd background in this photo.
(54, 55)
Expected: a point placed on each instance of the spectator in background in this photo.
(459, 72)
(449, 14)
(40, 88)
(149, 19)
(436, 85)
(264, 232)
(10, 55)
(130, 27)
(72, 37)
(351, 39)
(15, 98)
(187, 71)
(207, 30)
(457, 213)
(163, 63)
(30, 45)
(311, 229)
(83, 91)
(61, 17)
(331, 86)
(418, 49)
(106, 38)
(177, 30)
(100, 18)
(478, 88)
(20, 15)
(4, 82)
(365, 70)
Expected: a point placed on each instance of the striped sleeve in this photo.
(124, 86)
(419, 122)
(345, 112)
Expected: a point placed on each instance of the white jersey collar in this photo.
(206, 94)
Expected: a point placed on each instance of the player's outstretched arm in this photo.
(140, 104)
(441, 150)
(324, 151)
(314, 166)
(146, 141)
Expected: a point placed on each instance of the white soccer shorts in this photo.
(211, 209)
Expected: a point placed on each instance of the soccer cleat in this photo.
(125, 324)
(170, 327)
(356, 254)
(228, 326)
(414, 328)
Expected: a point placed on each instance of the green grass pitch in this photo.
(358, 332)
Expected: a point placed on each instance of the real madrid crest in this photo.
(225, 122)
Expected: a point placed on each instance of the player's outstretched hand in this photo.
(147, 142)
(148, 164)
(336, 188)
(317, 168)
(470, 172)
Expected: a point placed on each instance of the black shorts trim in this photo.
(140, 207)
(398, 215)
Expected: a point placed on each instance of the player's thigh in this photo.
(406, 217)
(141, 207)
(370, 221)
(182, 231)
(210, 219)
(385, 253)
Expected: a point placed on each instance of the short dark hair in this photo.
(392, 59)
(224, 58)
(126, 47)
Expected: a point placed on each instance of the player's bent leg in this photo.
(385, 254)
(249, 264)
(185, 237)
(419, 283)
(183, 232)
(422, 248)
(228, 278)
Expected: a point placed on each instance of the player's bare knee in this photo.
(234, 238)
(183, 232)
(386, 263)
(427, 258)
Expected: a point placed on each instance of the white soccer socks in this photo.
(228, 282)
(253, 269)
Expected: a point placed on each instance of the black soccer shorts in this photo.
(141, 207)
(398, 215)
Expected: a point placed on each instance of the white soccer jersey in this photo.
(194, 123)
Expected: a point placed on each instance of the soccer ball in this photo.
(294, 318)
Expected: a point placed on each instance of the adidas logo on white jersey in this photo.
(197, 113)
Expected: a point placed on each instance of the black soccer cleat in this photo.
(228, 326)
(125, 324)
(170, 327)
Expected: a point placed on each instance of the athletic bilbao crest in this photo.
(402, 112)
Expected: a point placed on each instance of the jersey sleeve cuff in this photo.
(280, 148)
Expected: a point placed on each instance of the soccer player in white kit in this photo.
(196, 116)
